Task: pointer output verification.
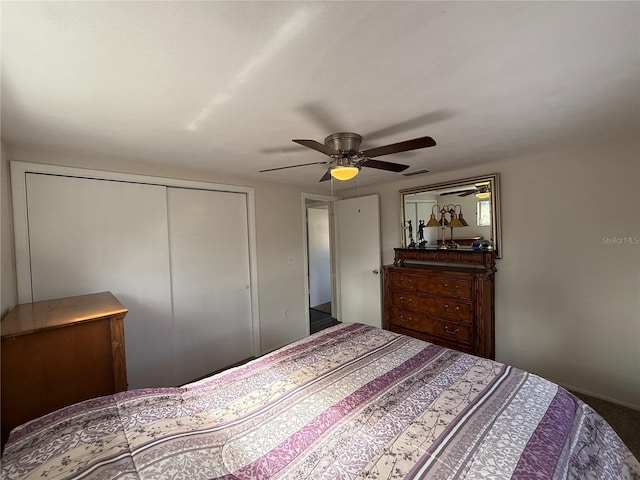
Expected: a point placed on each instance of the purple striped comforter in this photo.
(351, 402)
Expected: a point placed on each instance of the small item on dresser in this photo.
(422, 242)
(482, 244)
(412, 242)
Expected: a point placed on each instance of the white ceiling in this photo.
(225, 86)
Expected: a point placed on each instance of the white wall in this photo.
(8, 291)
(278, 234)
(319, 255)
(567, 295)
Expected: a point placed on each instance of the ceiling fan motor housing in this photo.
(344, 142)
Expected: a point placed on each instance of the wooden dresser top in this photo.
(461, 256)
(32, 317)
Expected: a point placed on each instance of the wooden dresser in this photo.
(442, 296)
(59, 352)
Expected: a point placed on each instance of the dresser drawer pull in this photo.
(405, 300)
(405, 319)
(451, 332)
(451, 289)
(405, 279)
(451, 310)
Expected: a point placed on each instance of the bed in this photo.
(350, 402)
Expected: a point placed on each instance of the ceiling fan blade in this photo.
(293, 166)
(467, 193)
(463, 192)
(317, 146)
(405, 146)
(326, 176)
(391, 167)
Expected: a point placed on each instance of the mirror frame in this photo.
(493, 178)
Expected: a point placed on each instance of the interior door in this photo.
(209, 249)
(359, 260)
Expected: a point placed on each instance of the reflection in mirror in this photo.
(459, 214)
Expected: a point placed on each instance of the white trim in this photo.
(19, 170)
(253, 271)
(21, 232)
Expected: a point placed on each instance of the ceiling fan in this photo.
(347, 159)
(481, 190)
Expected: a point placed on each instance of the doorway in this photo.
(319, 262)
(352, 233)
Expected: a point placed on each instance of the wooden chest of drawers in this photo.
(59, 352)
(444, 303)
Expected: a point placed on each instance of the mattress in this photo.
(350, 402)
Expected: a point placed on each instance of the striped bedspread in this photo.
(351, 402)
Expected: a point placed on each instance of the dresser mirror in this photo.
(471, 211)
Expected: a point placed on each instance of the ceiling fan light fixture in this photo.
(344, 172)
(483, 195)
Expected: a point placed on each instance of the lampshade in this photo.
(344, 172)
(462, 220)
(455, 222)
(433, 222)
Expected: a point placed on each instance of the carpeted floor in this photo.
(323, 307)
(322, 324)
(625, 421)
(320, 318)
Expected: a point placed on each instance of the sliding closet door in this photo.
(176, 253)
(88, 236)
(209, 251)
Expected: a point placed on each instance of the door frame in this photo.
(19, 171)
(328, 199)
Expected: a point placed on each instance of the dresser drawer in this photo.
(432, 305)
(442, 301)
(450, 287)
(431, 326)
